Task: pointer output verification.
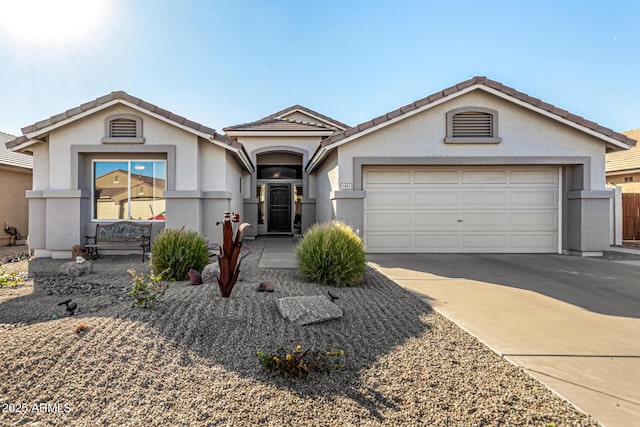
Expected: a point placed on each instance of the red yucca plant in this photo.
(229, 258)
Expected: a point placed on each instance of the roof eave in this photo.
(612, 142)
(631, 170)
(317, 157)
(26, 144)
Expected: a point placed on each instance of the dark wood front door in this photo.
(279, 208)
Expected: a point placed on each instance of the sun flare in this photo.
(52, 23)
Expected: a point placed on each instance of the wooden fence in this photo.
(631, 216)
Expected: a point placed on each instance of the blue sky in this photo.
(227, 62)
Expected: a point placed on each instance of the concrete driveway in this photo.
(573, 323)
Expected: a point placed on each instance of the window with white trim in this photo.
(123, 128)
(129, 190)
(472, 125)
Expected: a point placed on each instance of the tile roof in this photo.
(278, 124)
(108, 98)
(275, 119)
(625, 159)
(490, 84)
(9, 157)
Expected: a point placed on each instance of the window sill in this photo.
(122, 140)
(479, 140)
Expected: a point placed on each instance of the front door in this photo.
(279, 208)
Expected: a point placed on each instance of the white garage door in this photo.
(468, 209)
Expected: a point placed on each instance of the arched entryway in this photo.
(279, 190)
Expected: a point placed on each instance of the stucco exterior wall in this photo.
(90, 131)
(326, 178)
(14, 207)
(526, 138)
(523, 132)
(196, 171)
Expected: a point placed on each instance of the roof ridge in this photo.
(8, 134)
(306, 110)
(484, 81)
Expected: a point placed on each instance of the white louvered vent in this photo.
(123, 128)
(472, 124)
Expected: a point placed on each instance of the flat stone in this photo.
(210, 273)
(308, 309)
(75, 269)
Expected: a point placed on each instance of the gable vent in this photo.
(123, 128)
(472, 124)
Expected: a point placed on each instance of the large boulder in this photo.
(75, 269)
(210, 273)
(308, 309)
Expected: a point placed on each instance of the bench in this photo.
(119, 235)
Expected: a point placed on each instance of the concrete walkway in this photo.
(279, 252)
(573, 323)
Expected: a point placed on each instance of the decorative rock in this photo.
(265, 287)
(308, 309)
(194, 275)
(210, 273)
(71, 268)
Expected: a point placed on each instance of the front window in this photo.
(129, 189)
(279, 172)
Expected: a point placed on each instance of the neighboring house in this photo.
(15, 180)
(623, 167)
(477, 167)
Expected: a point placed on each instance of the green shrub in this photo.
(175, 251)
(8, 279)
(331, 254)
(147, 288)
(300, 363)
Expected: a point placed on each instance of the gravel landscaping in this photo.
(192, 361)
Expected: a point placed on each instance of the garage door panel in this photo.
(484, 219)
(537, 220)
(435, 177)
(387, 198)
(388, 177)
(462, 209)
(436, 241)
(540, 241)
(484, 177)
(496, 198)
(484, 241)
(435, 198)
(388, 243)
(379, 221)
(549, 176)
(427, 220)
(534, 198)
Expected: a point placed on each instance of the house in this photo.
(623, 167)
(477, 167)
(15, 180)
